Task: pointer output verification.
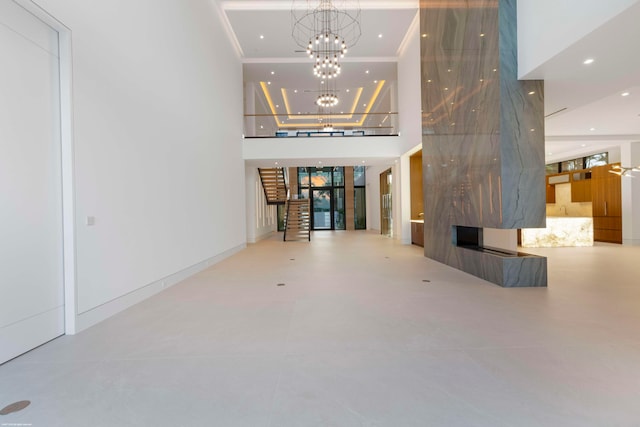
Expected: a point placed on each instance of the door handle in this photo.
(605, 209)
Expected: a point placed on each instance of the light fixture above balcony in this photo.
(327, 100)
(326, 29)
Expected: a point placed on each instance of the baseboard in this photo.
(263, 236)
(98, 314)
(631, 242)
(22, 336)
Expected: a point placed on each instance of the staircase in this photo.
(298, 220)
(274, 184)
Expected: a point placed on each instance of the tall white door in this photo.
(31, 262)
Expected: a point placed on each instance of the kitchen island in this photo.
(561, 231)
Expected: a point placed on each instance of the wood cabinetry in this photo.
(551, 193)
(417, 233)
(417, 196)
(581, 186)
(607, 204)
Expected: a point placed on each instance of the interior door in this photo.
(31, 262)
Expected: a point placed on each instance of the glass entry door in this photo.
(321, 202)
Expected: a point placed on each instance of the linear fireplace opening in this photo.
(466, 237)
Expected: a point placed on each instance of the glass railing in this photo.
(315, 125)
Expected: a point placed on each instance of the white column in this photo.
(404, 192)
(630, 156)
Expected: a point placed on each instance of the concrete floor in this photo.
(355, 337)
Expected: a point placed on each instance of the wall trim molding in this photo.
(96, 315)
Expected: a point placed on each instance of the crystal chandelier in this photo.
(327, 100)
(326, 29)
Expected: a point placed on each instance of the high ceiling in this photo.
(280, 75)
(584, 104)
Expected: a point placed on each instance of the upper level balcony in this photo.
(321, 125)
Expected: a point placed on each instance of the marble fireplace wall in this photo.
(483, 135)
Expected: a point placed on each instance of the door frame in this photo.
(67, 164)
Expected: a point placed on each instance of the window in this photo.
(360, 200)
(572, 165)
(321, 177)
(553, 168)
(303, 177)
(578, 164)
(596, 160)
(358, 176)
(360, 208)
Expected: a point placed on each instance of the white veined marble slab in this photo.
(560, 231)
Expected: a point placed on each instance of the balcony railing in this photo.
(316, 125)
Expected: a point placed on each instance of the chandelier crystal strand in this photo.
(326, 29)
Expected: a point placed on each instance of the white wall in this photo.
(333, 150)
(410, 112)
(262, 219)
(157, 93)
(409, 88)
(547, 27)
(373, 196)
(630, 154)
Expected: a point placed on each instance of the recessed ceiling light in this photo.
(592, 129)
(495, 69)
(533, 92)
(268, 83)
(481, 34)
(424, 35)
(375, 81)
(583, 145)
(273, 72)
(261, 127)
(363, 161)
(380, 35)
(348, 90)
(588, 61)
(261, 37)
(533, 130)
(367, 71)
(295, 91)
(364, 105)
(277, 106)
(322, 82)
(276, 163)
(446, 88)
(626, 93)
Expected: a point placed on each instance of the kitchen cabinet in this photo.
(417, 233)
(606, 190)
(581, 187)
